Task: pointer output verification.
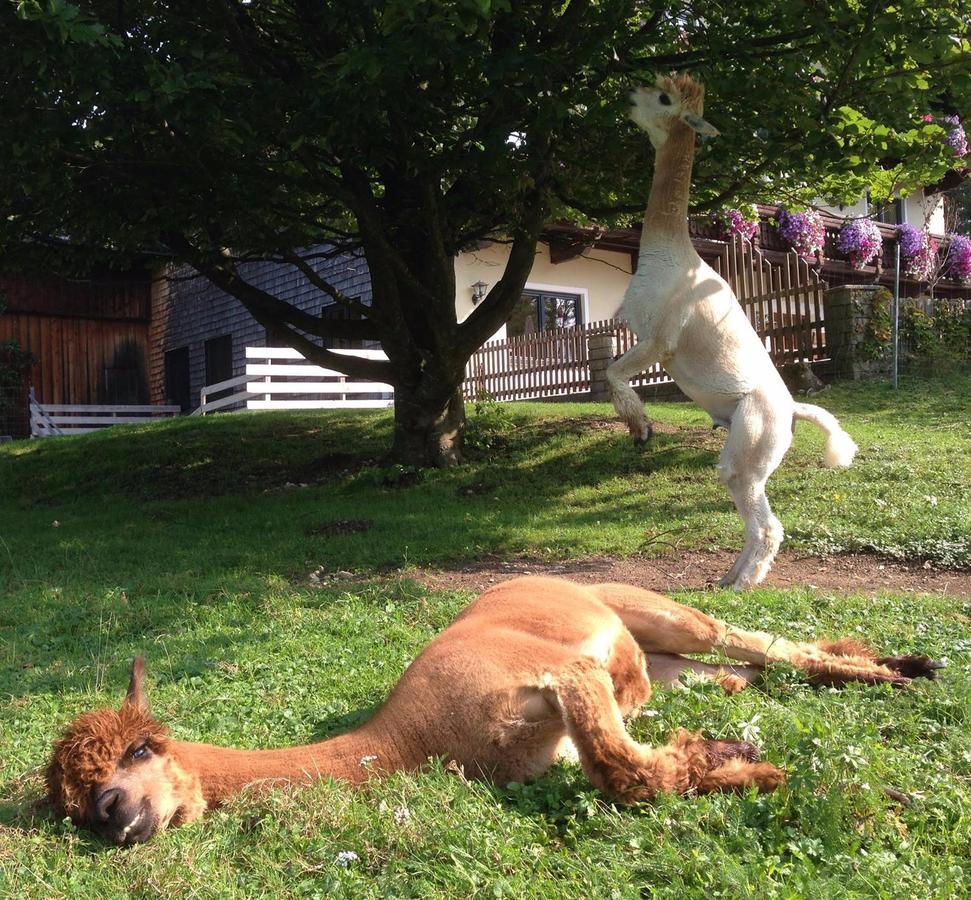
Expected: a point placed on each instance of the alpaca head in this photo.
(671, 101)
(112, 771)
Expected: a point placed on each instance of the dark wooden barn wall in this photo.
(89, 338)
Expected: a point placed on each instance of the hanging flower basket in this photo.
(958, 264)
(918, 252)
(860, 240)
(956, 138)
(804, 232)
(743, 222)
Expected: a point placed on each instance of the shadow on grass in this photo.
(158, 527)
(183, 459)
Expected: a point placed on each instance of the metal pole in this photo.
(896, 314)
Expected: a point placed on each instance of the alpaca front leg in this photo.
(631, 772)
(629, 407)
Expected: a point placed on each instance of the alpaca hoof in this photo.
(732, 684)
(735, 583)
(642, 435)
(720, 752)
(740, 775)
(912, 666)
(768, 777)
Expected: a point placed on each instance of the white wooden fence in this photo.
(281, 378)
(50, 419)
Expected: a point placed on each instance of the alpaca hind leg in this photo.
(667, 669)
(758, 439)
(666, 630)
(629, 406)
(763, 536)
(618, 765)
(663, 627)
(825, 662)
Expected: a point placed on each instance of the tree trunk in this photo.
(429, 429)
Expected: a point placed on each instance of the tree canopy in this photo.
(217, 131)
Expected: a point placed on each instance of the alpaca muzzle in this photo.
(120, 820)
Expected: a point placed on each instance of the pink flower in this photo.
(803, 231)
(733, 221)
(860, 240)
(920, 263)
(958, 263)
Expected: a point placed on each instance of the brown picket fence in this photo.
(783, 302)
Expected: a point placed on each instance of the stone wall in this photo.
(854, 331)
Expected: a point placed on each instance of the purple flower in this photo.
(803, 231)
(918, 250)
(958, 264)
(956, 139)
(911, 240)
(860, 240)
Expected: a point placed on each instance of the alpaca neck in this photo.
(353, 757)
(666, 218)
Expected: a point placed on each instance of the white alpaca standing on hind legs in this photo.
(687, 319)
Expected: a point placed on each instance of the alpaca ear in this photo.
(702, 126)
(136, 695)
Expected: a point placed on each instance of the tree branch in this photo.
(275, 314)
(336, 294)
(493, 311)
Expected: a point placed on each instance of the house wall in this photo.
(188, 310)
(90, 337)
(601, 277)
(918, 210)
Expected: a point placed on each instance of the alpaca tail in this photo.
(840, 447)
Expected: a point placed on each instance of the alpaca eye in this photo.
(664, 100)
(140, 752)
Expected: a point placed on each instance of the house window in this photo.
(890, 213)
(336, 312)
(177, 378)
(545, 311)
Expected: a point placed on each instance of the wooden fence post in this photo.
(601, 350)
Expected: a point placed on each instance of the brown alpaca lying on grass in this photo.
(532, 669)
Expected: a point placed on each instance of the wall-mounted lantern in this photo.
(479, 290)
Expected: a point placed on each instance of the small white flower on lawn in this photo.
(367, 760)
(401, 815)
(346, 857)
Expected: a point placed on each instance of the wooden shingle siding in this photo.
(187, 311)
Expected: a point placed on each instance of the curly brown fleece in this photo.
(88, 751)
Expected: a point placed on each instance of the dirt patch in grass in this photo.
(699, 570)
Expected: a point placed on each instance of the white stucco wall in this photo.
(918, 210)
(599, 277)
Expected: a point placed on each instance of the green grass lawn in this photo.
(192, 542)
